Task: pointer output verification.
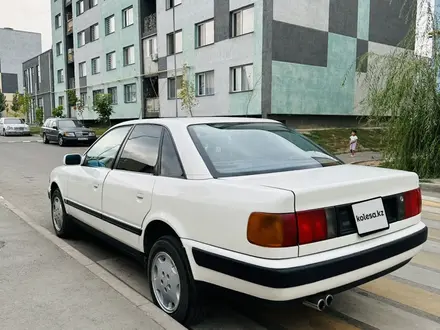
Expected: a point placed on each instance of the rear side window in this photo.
(140, 153)
(170, 163)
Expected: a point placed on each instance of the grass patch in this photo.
(336, 140)
(35, 130)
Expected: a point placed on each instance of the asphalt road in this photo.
(406, 299)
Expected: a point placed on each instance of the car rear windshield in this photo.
(233, 149)
(69, 124)
(13, 121)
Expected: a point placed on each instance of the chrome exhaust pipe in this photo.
(315, 302)
(328, 300)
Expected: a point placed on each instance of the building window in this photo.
(60, 75)
(174, 43)
(174, 87)
(58, 21)
(128, 55)
(242, 78)
(81, 38)
(83, 98)
(113, 91)
(94, 32)
(82, 69)
(79, 7)
(61, 101)
(243, 21)
(110, 25)
(130, 93)
(96, 93)
(93, 3)
(38, 75)
(205, 83)
(173, 3)
(205, 33)
(111, 61)
(40, 103)
(127, 17)
(59, 48)
(96, 65)
(150, 46)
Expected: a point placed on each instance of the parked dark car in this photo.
(66, 131)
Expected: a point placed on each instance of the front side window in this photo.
(82, 69)
(174, 43)
(130, 93)
(243, 21)
(110, 25)
(94, 32)
(205, 83)
(205, 33)
(141, 151)
(128, 55)
(231, 149)
(242, 78)
(111, 61)
(127, 17)
(96, 65)
(104, 152)
(170, 165)
(174, 87)
(81, 38)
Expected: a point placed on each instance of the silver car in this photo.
(13, 126)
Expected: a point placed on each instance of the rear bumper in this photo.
(309, 278)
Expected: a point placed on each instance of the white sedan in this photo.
(241, 203)
(13, 126)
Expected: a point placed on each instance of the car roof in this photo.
(186, 121)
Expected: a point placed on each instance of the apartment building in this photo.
(15, 48)
(96, 47)
(38, 82)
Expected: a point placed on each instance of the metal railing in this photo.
(150, 22)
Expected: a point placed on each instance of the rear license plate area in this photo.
(370, 216)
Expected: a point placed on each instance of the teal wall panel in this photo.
(305, 89)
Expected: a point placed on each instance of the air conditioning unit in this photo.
(154, 57)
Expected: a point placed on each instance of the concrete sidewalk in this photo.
(360, 157)
(43, 287)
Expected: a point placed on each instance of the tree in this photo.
(102, 105)
(39, 114)
(58, 112)
(2, 102)
(403, 97)
(16, 102)
(24, 102)
(72, 99)
(187, 93)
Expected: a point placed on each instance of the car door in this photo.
(52, 133)
(84, 191)
(128, 188)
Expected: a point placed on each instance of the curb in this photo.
(145, 305)
(430, 187)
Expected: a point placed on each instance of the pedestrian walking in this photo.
(353, 142)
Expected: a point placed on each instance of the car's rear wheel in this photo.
(171, 282)
(61, 221)
(45, 140)
(60, 141)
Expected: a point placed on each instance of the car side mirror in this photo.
(54, 127)
(72, 159)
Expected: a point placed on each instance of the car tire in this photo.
(45, 140)
(168, 251)
(62, 223)
(60, 141)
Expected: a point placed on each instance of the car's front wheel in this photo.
(4, 132)
(61, 221)
(60, 141)
(171, 282)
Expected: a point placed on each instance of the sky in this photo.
(28, 15)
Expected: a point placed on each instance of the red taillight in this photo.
(413, 203)
(312, 226)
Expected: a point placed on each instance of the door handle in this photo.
(95, 185)
(140, 196)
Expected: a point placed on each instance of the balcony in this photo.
(152, 106)
(70, 26)
(71, 84)
(70, 56)
(150, 25)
